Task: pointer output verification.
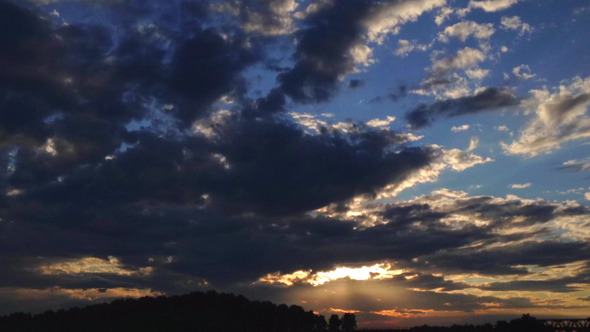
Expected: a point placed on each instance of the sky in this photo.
(410, 161)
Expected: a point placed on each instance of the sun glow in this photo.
(378, 271)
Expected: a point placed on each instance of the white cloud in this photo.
(473, 144)
(380, 123)
(387, 19)
(521, 186)
(523, 72)
(491, 5)
(477, 73)
(559, 117)
(587, 196)
(442, 15)
(457, 129)
(465, 58)
(514, 23)
(362, 55)
(502, 128)
(466, 29)
(405, 47)
(445, 79)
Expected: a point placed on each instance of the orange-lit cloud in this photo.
(90, 294)
(92, 265)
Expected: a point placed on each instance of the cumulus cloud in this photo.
(466, 29)
(336, 42)
(558, 117)
(444, 77)
(443, 14)
(406, 46)
(387, 18)
(488, 5)
(515, 23)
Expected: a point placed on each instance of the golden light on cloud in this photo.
(344, 311)
(92, 265)
(378, 271)
(109, 293)
(90, 294)
(413, 313)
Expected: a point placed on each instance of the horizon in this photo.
(409, 161)
(363, 325)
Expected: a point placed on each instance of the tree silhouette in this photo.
(205, 312)
(334, 323)
(348, 322)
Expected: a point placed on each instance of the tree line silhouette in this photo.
(526, 323)
(210, 312)
(216, 312)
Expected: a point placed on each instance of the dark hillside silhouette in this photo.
(218, 312)
(526, 323)
(210, 312)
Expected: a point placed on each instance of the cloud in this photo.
(502, 128)
(457, 129)
(515, 23)
(520, 186)
(444, 77)
(91, 265)
(443, 14)
(140, 160)
(473, 143)
(334, 43)
(486, 100)
(576, 165)
(405, 47)
(466, 29)
(523, 72)
(453, 159)
(270, 18)
(558, 118)
(388, 17)
(489, 5)
(587, 196)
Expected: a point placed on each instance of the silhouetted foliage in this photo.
(334, 323)
(524, 324)
(215, 312)
(348, 322)
(210, 312)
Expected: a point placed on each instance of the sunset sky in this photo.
(411, 161)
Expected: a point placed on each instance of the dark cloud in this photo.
(486, 100)
(555, 285)
(504, 259)
(356, 83)
(323, 51)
